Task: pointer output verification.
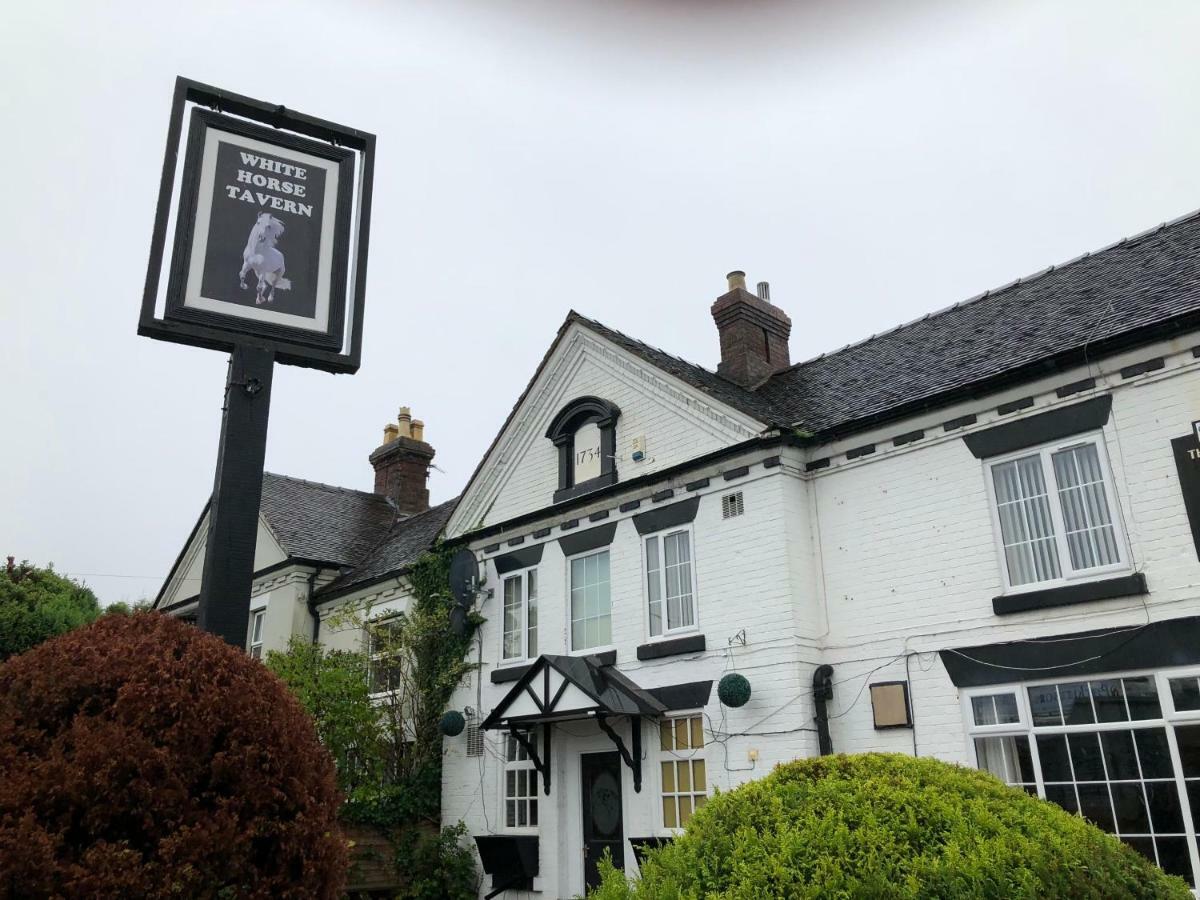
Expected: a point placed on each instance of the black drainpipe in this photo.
(823, 691)
(312, 606)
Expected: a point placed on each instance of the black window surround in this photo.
(666, 516)
(518, 559)
(591, 539)
(1041, 428)
(573, 416)
(1070, 594)
(691, 643)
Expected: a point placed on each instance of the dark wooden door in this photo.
(603, 825)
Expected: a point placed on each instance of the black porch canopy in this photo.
(569, 688)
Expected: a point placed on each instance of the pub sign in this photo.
(271, 219)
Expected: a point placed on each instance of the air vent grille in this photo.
(732, 505)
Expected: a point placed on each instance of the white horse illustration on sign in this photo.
(266, 261)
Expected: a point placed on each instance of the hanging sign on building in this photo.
(271, 218)
(1187, 463)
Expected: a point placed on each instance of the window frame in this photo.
(1067, 575)
(523, 576)
(373, 657)
(661, 756)
(258, 624)
(1167, 721)
(533, 778)
(660, 536)
(572, 650)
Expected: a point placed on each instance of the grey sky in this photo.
(873, 161)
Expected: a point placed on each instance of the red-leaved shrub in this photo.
(141, 757)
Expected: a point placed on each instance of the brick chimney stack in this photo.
(754, 333)
(402, 464)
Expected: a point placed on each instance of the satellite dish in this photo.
(464, 577)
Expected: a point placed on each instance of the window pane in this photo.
(684, 775)
(1052, 750)
(685, 810)
(513, 625)
(653, 586)
(669, 818)
(1185, 693)
(1043, 703)
(681, 734)
(1120, 761)
(1086, 516)
(1130, 806)
(533, 820)
(1005, 757)
(666, 733)
(1165, 810)
(983, 709)
(1026, 526)
(668, 777)
(1153, 753)
(699, 778)
(1063, 795)
(1188, 738)
(1085, 756)
(1076, 703)
(1142, 697)
(697, 732)
(1109, 700)
(1095, 806)
(1173, 856)
(510, 814)
(531, 612)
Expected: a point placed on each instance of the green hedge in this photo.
(888, 826)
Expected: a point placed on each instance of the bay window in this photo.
(1121, 750)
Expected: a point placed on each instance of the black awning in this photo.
(561, 688)
(1174, 642)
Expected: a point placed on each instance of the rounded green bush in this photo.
(888, 826)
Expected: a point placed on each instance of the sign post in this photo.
(272, 217)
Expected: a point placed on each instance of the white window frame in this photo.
(1067, 574)
(258, 624)
(660, 537)
(521, 575)
(599, 648)
(372, 656)
(1025, 729)
(661, 756)
(533, 777)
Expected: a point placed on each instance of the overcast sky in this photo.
(873, 161)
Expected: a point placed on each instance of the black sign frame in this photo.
(337, 349)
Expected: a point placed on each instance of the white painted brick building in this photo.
(974, 537)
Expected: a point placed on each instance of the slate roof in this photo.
(399, 548)
(323, 523)
(1100, 302)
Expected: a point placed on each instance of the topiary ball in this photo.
(452, 723)
(733, 689)
(888, 825)
(146, 758)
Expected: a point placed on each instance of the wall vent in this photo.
(474, 736)
(732, 505)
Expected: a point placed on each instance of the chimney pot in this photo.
(736, 279)
(402, 464)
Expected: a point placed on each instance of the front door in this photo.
(603, 828)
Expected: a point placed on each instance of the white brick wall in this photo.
(871, 566)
